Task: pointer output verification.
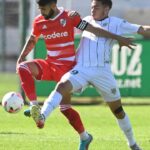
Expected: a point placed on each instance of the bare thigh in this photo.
(66, 99)
(34, 69)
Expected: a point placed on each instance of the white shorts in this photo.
(99, 77)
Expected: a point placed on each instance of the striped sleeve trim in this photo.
(82, 25)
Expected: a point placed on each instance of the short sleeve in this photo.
(76, 20)
(128, 28)
(35, 31)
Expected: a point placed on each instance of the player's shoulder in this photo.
(66, 11)
(63, 11)
(38, 18)
(116, 19)
(69, 12)
(88, 18)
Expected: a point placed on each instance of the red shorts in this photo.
(50, 71)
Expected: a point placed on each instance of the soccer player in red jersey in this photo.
(57, 30)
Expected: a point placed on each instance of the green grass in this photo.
(20, 133)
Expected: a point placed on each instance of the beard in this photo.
(50, 14)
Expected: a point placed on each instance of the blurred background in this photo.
(135, 11)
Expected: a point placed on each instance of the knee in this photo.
(22, 66)
(119, 113)
(19, 66)
(64, 87)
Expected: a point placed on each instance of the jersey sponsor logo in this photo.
(63, 22)
(55, 35)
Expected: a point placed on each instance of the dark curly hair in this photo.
(105, 2)
(45, 2)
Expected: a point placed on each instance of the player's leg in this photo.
(55, 97)
(124, 123)
(70, 82)
(28, 71)
(106, 85)
(62, 92)
(73, 117)
(50, 72)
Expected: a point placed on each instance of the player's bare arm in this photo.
(145, 31)
(27, 48)
(104, 33)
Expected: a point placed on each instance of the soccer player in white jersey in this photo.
(93, 67)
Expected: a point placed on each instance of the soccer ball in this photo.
(12, 102)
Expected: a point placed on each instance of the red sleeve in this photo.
(79, 23)
(76, 20)
(35, 30)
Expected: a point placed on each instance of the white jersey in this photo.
(96, 51)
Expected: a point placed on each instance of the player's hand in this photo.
(73, 13)
(128, 42)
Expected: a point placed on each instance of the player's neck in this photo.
(103, 18)
(56, 12)
(100, 18)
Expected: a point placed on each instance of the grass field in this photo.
(20, 133)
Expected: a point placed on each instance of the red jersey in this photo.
(58, 34)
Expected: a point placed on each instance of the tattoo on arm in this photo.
(29, 46)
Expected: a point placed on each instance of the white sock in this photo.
(127, 129)
(33, 102)
(84, 136)
(51, 103)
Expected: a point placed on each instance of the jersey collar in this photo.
(103, 19)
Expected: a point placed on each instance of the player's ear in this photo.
(107, 9)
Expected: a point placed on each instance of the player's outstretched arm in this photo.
(83, 25)
(27, 48)
(145, 31)
(101, 32)
(104, 33)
